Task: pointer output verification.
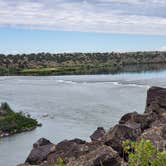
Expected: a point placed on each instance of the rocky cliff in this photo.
(106, 148)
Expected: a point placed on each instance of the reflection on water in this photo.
(144, 67)
(132, 68)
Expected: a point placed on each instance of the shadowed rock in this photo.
(157, 135)
(121, 132)
(98, 134)
(40, 151)
(156, 100)
(103, 155)
(144, 120)
(71, 149)
(41, 142)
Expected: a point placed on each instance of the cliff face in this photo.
(106, 147)
(156, 100)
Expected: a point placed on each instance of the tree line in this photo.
(14, 64)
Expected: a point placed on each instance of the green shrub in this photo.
(11, 121)
(59, 162)
(143, 153)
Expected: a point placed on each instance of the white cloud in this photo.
(110, 16)
(163, 48)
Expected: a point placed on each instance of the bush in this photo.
(143, 153)
(59, 162)
(11, 121)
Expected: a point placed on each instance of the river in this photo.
(71, 106)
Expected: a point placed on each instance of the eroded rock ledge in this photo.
(106, 147)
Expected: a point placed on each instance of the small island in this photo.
(12, 122)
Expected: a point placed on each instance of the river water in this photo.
(71, 106)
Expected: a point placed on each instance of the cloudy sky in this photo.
(82, 25)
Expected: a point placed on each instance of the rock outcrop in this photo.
(103, 155)
(98, 134)
(156, 100)
(106, 147)
(144, 120)
(157, 135)
(120, 133)
(41, 149)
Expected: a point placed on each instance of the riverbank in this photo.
(92, 69)
(106, 147)
(81, 63)
(13, 123)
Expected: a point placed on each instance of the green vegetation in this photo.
(143, 153)
(78, 69)
(11, 122)
(80, 63)
(59, 162)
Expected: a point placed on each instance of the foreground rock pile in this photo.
(106, 149)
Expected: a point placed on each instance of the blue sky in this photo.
(82, 25)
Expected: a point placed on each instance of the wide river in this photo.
(71, 106)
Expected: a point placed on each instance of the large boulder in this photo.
(41, 142)
(103, 155)
(144, 120)
(98, 134)
(157, 135)
(156, 100)
(68, 149)
(120, 133)
(40, 151)
(161, 120)
(80, 153)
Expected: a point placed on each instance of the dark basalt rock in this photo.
(40, 151)
(145, 120)
(161, 120)
(41, 142)
(121, 132)
(98, 134)
(128, 117)
(103, 155)
(157, 135)
(71, 149)
(156, 100)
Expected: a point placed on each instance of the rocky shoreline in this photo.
(105, 148)
(7, 134)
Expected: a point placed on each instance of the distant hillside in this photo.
(79, 63)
